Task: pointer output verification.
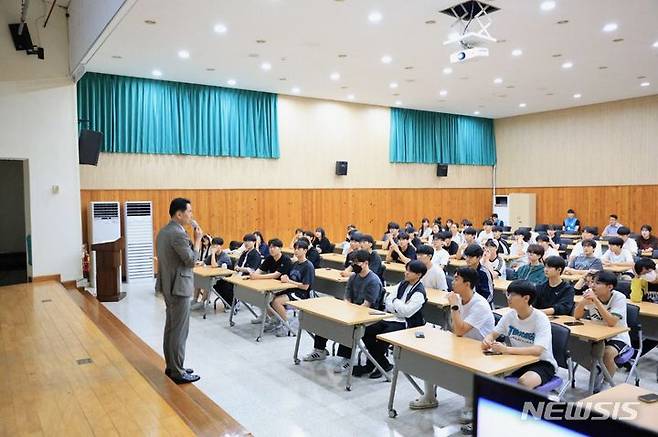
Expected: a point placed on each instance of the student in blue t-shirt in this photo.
(571, 222)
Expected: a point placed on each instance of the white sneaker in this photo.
(466, 415)
(316, 355)
(342, 366)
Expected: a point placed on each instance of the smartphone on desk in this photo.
(420, 334)
(574, 323)
(648, 398)
(376, 313)
(491, 352)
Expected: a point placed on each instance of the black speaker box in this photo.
(442, 170)
(341, 168)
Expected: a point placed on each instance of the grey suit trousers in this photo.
(177, 326)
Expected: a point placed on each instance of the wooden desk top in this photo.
(262, 285)
(457, 262)
(207, 271)
(511, 257)
(339, 311)
(591, 330)
(647, 414)
(573, 278)
(395, 267)
(288, 251)
(335, 257)
(462, 352)
(501, 284)
(437, 297)
(572, 236)
(648, 309)
(331, 275)
(382, 252)
(617, 269)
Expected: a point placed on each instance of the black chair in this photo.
(624, 287)
(507, 228)
(654, 254)
(449, 279)
(510, 274)
(525, 228)
(632, 356)
(497, 317)
(541, 228)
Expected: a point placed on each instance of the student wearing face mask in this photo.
(645, 271)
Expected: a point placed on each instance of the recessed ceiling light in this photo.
(430, 22)
(476, 112)
(231, 82)
(260, 41)
(266, 66)
(610, 27)
(282, 78)
(655, 45)
(641, 77)
(156, 73)
(375, 17)
(645, 84)
(393, 85)
(522, 105)
(603, 67)
(334, 76)
(557, 55)
(219, 28)
(443, 93)
(253, 55)
(296, 90)
(517, 52)
(577, 96)
(183, 54)
(117, 57)
(398, 102)
(567, 65)
(150, 21)
(547, 5)
(350, 97)
(618, 40)
(386, 59)
(342, 55)
(563, 22)
(210, 69)
(408, 67)
(447, 70)
(498, 80)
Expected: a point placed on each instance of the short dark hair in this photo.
(425, 249)
(536, 249)
(644, 263)
(218, 241)
(275, 242)
(473, 250)
(416, 266)
(403, 236)
(623, 230)
(393, 225)
(468, 275)
(543, 237)
(647, 227)
(249, 237)
(355, 236)
(368, 238)
(470, 231)
(570, 211)
(309, 234)
(552, 228)
(362, 256)
(589, 242)
(605, 277)
(178, 204)
(498, 229)
(616, 241)
(494, 215)
(589, 230)
(526, 234)
(614, 216)
(487, 223)
(523, 288)
(351, 227)
(301, 244)
(299, 230)
(556, 262)
(491, 243)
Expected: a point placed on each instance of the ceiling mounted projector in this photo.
(469, 54)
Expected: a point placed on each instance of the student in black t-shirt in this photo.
(391, 235)
(366, 243)
(312, 254)
(449, 245)
(250, 258)
(275, 264)
(503, 245)
(321, 242)
(555, 296)
(355, 245)
(403, 251)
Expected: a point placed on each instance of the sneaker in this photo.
(342, 366)
(423, 404)
(283, 331)
(362, 370)
(467, 429)
(378, 374)
(316, 355)
(259, 320)
(273, 326)
(466, 416)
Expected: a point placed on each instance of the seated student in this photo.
(425, 231)
(413, 238)
(629, 243)
(486, 234)
(312, 254)
(374, 261)
(534, 270)
(555, 296)
(646, 243)
(345, 245)
(402, 251)
(261, 245)
(441, 256)
(553, 234)
(275, 264)
(299, 233)
(616, 256)
(436, 230)
(588, 234)
(503, 245)
(496, 221)
(302, 275)
(205, 248)
(434, 277)
(450, 246)
(520, 248)
(528, 331)
(471, 317)
(571, 223)
(603, 302)
(321, 242)
(645, 274)
(457, 236)
(363, 288)
(216, 258)
(484, 287)
(585, 262)
(544, 241)
(584, 282)
(492, 261)
(355, 245)
(391, 236)
(250, 258)
(406, 306)
(469, 238)
(448, 225)
(613, 226)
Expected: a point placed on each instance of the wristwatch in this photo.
(455, 307)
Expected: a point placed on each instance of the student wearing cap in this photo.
(492, 260)
(585, 262)
(629, 243)
(486, 233)
(617, 256)
(441, 256)
(250, 258)
(555, 296)
(406, 305)
(402, 251)
(571, 223)
(603, 302)
(613, 226)
(528, 331)
(363, 288)
(534, 270)
(588, 234)
(484, 287)
(645, 274)
(434, 277)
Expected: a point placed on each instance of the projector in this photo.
(468, 54)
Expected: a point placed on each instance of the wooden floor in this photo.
(49, 387)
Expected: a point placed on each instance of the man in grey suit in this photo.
(176, 258)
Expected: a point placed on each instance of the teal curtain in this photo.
(161, 117)
(435, 137)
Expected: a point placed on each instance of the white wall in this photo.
(38, 122)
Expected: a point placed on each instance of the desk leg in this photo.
(230, 317)
(391, 398)
(414, 384)
(355, 343)
(299, 336)
(372, 360)
(597, 362)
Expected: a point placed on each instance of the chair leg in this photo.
(573, 375)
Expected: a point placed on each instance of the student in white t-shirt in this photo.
(441, 257)
(486, 233)
(493, 260)
(617, 256)
(603, 302)
(629, 243)
(544, 241)
(519, 248)
(588, 234)
(528, 332)
(471, 317)
(435, 277)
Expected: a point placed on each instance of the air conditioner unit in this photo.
(138, 228)
(103, 225)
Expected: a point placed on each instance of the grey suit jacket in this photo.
(176, 258)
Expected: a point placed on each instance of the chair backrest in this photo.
(449, 279)
(624, 287)
(497, 318)
(510, 273)
(654, 254)
(541, 228)
(507, 228)
(560, 344)
(525, 228)
(633, 322)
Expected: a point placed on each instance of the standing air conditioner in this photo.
(103, 225)
(138, 225)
